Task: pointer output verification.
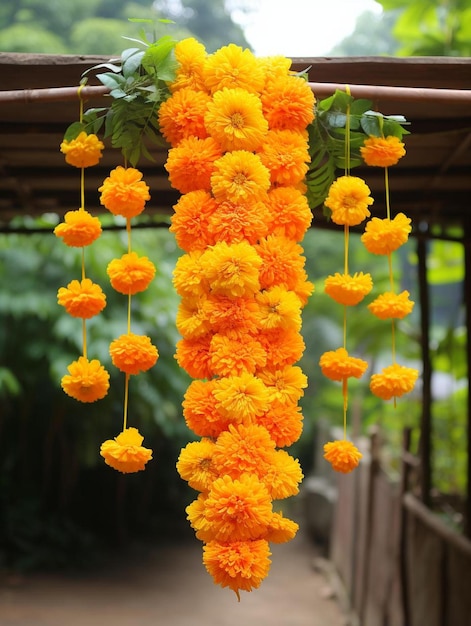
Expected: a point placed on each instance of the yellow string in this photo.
(126, 381)
(82, 208)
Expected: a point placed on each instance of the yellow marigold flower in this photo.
(239, 565)
(237, 509)
(346, 289)
(200, 409)
(281, 529)
(279, 308)
(195, 514)
(231, 356)
(290, 214)
(284, 385)
(124, 192)
(390, 305)
(382, 151)
(303, 288)
(284, 422)
(188, 278)
(283, 346)
(79, 228)
(192, 320)
(192, 355)
(288, 103)
(191, 164)
(394, 381)
(243, 450)
(231, 270)
(132, 353)
(240, 176)
(274, 67)
(125, 452)
(191, 57)
(190, 222)
(285, 154)
(131, 273)
(195, 464)
(233, 67)
(282, 262)
(227, 314)
(283, 476)
(235, 120)
(338, 365)
(83, 151)
(240, 399)
(233, 222)
(348, 199)
(182, 115)
(87, 381)
(82, 298)
(342, 455)
(383, 236)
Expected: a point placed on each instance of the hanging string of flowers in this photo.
(87, 380)
(239, 155)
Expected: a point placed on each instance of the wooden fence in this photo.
(399, 564)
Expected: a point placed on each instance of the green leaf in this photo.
(74, 130)
(371, 125)
(112, 81)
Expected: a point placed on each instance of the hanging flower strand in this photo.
(87, 381)
(124, 193)
(383, 237)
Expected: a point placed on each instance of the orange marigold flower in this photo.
(284, 385)
(79, 228)
(285, 154)
(192, 355)
(288, 103)
(382, 151)
(282, 262)
(338, 365)
(195, 514)
(279, 308)
(346, 289)
(239, 565)
(200, 409)
(191, 164)
(190, 222)
(283, 421)
(283, 346)
(82, 298)
(192, 319)
(191, 57)
(243, 450)
(125, 452)
(348, 199)
(342, 455)
(188, 278)
(290, 214)
(132, 353)
(124, 192)
(383, 236)
(238, 315)
(237, 509)
(283, 476)
(131, 273)
(231, 270)
(390, 305)
(303, 288)
(231, 356)
(83, 151)
(281, 529)
(394, 381)
(233, 67)
(195, 464)
(233, 222)
(87, 381)
(182, 115)
(240, 176)
(235, 120)
(241, 398)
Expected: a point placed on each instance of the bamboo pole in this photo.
(373, 92)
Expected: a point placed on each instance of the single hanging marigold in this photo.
(125, 452)
(383, 236)
(343, 455)
(394, 381)
(389, 305)
(130, 274)
(133, 354)
(87, 381)
(79, 229)
(348, 290)
(82, 298)
(382, 151)
(83, 151)
(338, 365)
(349, 199)
(124, 192)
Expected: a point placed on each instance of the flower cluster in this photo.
(87, 380)
(237, 129)
(125, 194)
(383, 237)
